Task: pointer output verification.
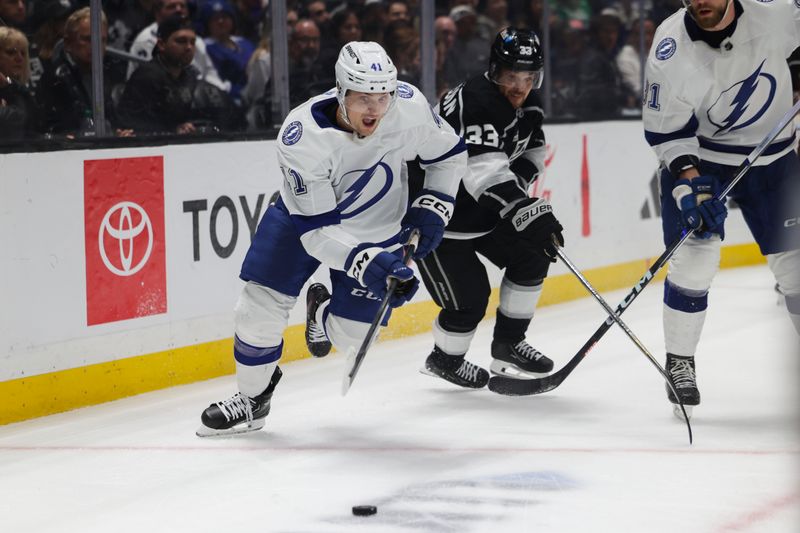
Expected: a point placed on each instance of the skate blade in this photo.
(501, 368)
(255, 425)
(676, 410)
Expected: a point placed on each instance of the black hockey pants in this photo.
(458, 282)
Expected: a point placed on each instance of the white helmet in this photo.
(364, 67)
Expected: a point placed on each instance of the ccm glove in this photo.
(700, 208)
(429, 212)
(373, 267)
(534, 219)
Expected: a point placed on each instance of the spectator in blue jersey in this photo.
(229, 53)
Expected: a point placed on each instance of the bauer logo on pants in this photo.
(124, 239)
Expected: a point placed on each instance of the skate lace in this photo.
(682, 374)
(527, 351)
(316, 333)
(236, 406)
(468, 371)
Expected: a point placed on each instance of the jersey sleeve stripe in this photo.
(303, 223)
(688, 131)
(772, 149)
(457, 149)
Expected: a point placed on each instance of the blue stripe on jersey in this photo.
(772, 149)
(685, 300)
(304, 223)
(457, 149)
(688, 131)
(250, 355)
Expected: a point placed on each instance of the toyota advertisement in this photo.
(125, 248)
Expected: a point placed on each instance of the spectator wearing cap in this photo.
(145, 42)
(470, 54)
(13, 13)
(19, 115)
(65, 90)
(230, 53)
(164, 95)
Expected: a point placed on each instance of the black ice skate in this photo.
(238, 414)
(316, 340)
(681, 372)
(455, 369)
(519, 360)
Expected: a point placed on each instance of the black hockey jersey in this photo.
(506, 148)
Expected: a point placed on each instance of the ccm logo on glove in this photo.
(441, 208)
(523, 218)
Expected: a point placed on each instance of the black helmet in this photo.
(518, 50)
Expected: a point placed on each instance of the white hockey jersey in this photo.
(343, 191)
(717, 104)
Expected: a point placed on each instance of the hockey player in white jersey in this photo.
(717, 82)
(344, 204)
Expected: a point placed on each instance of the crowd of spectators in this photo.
(192, 66)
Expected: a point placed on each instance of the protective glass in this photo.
(525, 80)
(368, 103)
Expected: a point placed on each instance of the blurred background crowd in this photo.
(183, 67)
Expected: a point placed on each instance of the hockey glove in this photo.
(700, 208)
(374, 267)
(429, 212)
(534, 219)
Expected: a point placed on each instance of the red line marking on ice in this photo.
(388, 449)
(771, 507)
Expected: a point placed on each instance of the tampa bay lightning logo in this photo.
(666, 48)
(743, 103)
(404, 91)
(367, 180)
(292, 133)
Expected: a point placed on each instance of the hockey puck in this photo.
(364, 510)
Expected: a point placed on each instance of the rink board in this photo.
(121, 266)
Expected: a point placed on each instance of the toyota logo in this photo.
(118, 224)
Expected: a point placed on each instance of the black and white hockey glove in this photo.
(373, 267)
(534, 219)
(429, 212)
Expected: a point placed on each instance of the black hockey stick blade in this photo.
(624, 327)
(525, 387)
(354, 359)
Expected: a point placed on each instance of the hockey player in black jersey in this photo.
(500, 118)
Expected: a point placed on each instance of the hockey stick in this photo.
(518, 387)
(639, 344)
(354, 359)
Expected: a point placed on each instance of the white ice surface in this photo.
(600, 453)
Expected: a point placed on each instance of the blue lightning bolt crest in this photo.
(734, 113)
